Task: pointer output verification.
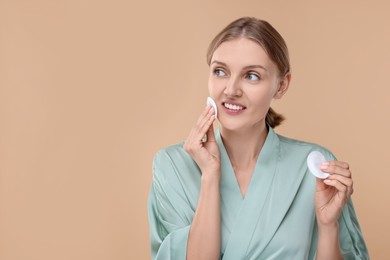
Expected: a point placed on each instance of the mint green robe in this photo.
(275, 220)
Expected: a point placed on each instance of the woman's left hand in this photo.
(333, 192)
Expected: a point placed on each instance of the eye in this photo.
(252, 76)
(219, 72)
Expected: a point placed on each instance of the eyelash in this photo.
(216, 71)
(254, 74)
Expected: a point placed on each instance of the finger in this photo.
(193, 137)
(350, 191)
(348, 182)
(334, 168)
(320, 185)
(204, 125)
(338, 185)
(210, 133)
(341, 164)
(203, 117)
(204, 114)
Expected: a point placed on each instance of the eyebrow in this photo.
(245, 68)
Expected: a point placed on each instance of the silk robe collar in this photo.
(268, 197)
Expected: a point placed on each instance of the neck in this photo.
(244, 146)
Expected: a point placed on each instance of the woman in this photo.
(246, 192)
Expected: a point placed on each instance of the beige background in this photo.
(90, 90)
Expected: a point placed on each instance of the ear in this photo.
(284, 83)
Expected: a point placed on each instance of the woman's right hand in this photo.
(205, 154)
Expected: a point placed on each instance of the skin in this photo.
(241, 72)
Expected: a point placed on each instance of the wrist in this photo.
(328, 229)
(211, 176)
(330, 225)
(328, 242)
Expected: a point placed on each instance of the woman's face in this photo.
(243, 81)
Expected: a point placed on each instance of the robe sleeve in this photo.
(169, 212)
(351, 238)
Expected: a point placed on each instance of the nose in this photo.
(233, 88)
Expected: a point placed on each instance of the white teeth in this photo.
(233, 107)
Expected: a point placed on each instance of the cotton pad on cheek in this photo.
(314, 161)
(211, 102)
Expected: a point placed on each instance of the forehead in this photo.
(242, 52)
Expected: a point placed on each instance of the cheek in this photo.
(261, 99)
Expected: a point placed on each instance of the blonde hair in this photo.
(267, 37)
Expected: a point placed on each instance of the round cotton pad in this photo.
(213, 104)
(314, 161)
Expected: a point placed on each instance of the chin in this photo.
(232, 125)
(237, 125)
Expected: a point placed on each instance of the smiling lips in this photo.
(233, 108)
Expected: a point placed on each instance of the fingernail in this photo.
(324, 165)
(211, 112)
(327, 181)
